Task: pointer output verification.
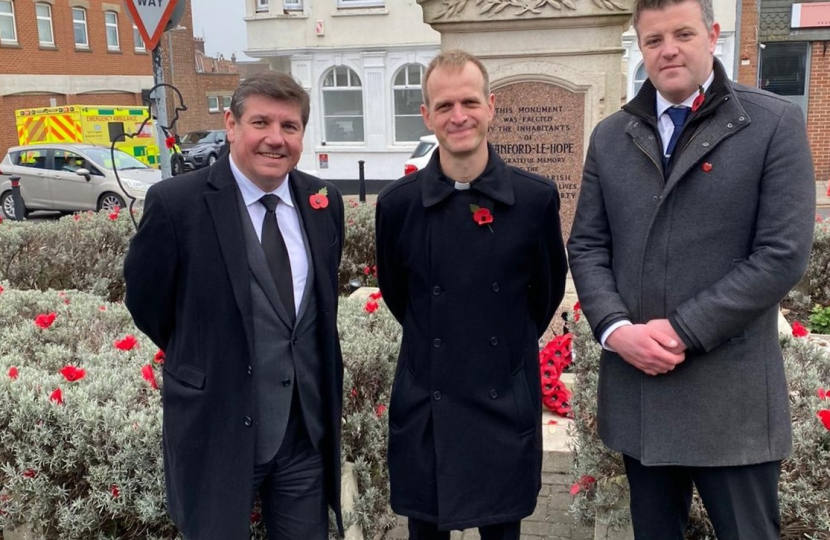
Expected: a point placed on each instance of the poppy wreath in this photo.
(554, 357)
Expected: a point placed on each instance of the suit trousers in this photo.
(422, 530)
(741, 501)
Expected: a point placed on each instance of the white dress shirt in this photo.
(666, 128)
(287, 220)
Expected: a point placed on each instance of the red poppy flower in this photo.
(1, 219)
(102, 308)
(375, 296)
(379, 410)
(45, 320)
(113, 216)
(29, 473)
(159, 357)
(13, 372)
(115, 491)
(170, 142)
(354, 392)
(707, 167)
(822, 394)
(371, 306)
(56, 396)
(577, 311)
(320, 199)
(255, 517)
(583, 483)
(72, 373)
(552, 422)
(76, 217)
(1, 289)
(824, 416)
(698, 100)
(149, 376)
(799, 330)
(126, 344)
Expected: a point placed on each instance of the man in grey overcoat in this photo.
(472, 264)
(694, 221)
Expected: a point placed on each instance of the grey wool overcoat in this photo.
(713, 246)
(465, 438)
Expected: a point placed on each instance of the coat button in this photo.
(436, 343)
(436, 290)
(247, 421)
(286, 382)
(250, 370)
(495, 287)
(436, 395)
(494, 341)
(294, 341)
(494, 393)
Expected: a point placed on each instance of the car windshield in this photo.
(103, 158)
(422, 149)
(195, 137)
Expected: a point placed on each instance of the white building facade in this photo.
(361, 62)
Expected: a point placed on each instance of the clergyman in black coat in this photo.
(471, 262)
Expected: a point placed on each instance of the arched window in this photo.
(409, 125)
(640, 77)
(343, 105)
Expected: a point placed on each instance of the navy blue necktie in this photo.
(276, 253)
(678, 117)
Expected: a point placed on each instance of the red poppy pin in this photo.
(701, 96)
(482, 216)
(320, 199)
(170, 142)
(707, 167)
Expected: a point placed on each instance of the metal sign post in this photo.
(160, 97)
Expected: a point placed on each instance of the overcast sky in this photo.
(220, 23)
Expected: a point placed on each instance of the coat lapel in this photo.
(316, 225)
(223, 204)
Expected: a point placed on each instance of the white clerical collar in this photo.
(252, 193)
(663, 103)
(461, 186)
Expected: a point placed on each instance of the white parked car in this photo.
(422, 154)
(72, 177)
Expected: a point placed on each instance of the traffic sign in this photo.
(150, 17)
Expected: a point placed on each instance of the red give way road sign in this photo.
(150, 17)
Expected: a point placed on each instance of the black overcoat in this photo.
(465, 442)
(188, 289)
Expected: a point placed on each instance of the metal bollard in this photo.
(362, 180)
(19, 209)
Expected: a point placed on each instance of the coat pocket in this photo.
(188, 376)
(526, 417)
(401, 389)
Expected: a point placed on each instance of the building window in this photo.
(79, 26)
(138, 40)
(213, 104)
(44, 24)
(293, 5)
(111, 22)
(785, 70)
(226, 102)
(261, 6)
(359, 3)
(406, 90)
(8, 32)
(640, 77)
(343, 105)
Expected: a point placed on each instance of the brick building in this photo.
(206, 83)
(784, 49)
(60, 52)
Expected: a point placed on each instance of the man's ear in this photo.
(425, 116)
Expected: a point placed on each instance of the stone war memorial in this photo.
(555, 68)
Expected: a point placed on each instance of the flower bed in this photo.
(80, 417)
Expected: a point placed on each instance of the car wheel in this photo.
(7, 202)
(211, 160)
(176, 164)
(109, 201)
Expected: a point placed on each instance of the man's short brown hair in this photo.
(641, 5)
(454, 60)
(271, 84)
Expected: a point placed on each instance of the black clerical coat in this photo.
(465, 442)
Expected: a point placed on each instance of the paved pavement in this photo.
(552, 519)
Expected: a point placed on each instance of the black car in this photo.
(202, 148)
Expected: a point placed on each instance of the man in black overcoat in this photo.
(233, 272)
(472, 264)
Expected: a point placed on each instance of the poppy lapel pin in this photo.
(707, 167)
(482, 216)
(319, 200)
